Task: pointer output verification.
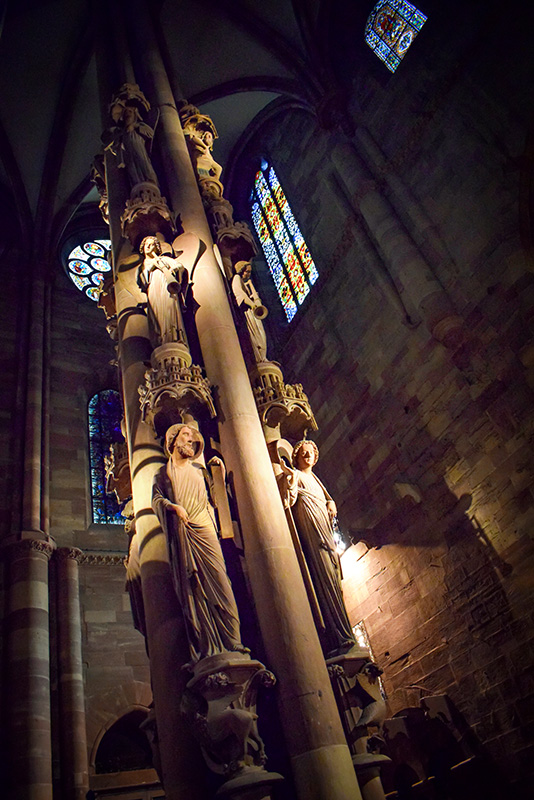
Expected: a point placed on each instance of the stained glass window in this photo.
(391, 27)
(105, 414)
(87, 265)
(287, 255)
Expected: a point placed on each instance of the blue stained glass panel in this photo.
(391, 28)
(104, 420)
(79, 282)
(94, 249)
(78, 253)
(80, 267)
(101, 264)
(90, 259)
(290, 263)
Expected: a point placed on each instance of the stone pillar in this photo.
(408, 269)
(182, 769)
(28, 670)
(32, 521)
(316, 744)
(74, 763)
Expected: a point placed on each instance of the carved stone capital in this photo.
(194, 121)
(98, 177)
(27, 546)
(69, 553)
(283, 407)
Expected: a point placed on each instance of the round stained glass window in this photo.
(90, 259)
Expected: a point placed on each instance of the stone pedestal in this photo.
(220, 705)
(357, 691)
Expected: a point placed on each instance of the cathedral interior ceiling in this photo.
(50, 97)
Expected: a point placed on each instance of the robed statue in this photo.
(248, 299)
(129, 135)
(162, 278)
(313, 511)
(181, 501)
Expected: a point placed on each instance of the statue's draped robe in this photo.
(255, 328)
(163, 309)
(134, 154)
(197, 563)
(308, 498)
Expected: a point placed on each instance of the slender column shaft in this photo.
(28, 668)
(74, 762)
(31, 514)
(321, 759)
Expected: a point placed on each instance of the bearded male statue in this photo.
(181, 502)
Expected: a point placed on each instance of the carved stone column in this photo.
(182, 770)
(74, 764)
(320, 758)
(28, 671)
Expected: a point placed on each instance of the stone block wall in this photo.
(116, 665)
(427, 449)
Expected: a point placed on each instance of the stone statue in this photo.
(161, 278)
(128, 137)
(246, 295)
(180, 501)
(313, 511)
(200, 144)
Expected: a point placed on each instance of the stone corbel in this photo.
(284, 409)
(174, 389)
(220, 706)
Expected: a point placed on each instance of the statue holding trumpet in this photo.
(247, 297)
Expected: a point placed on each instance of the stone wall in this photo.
(427, 449)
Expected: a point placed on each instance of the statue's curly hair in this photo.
(297, 448)
(142, 245)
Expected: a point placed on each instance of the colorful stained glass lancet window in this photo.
(391, 27)
(87, 265)
(286, 252)
(105, 414)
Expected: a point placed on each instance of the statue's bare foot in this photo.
(240, 648)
